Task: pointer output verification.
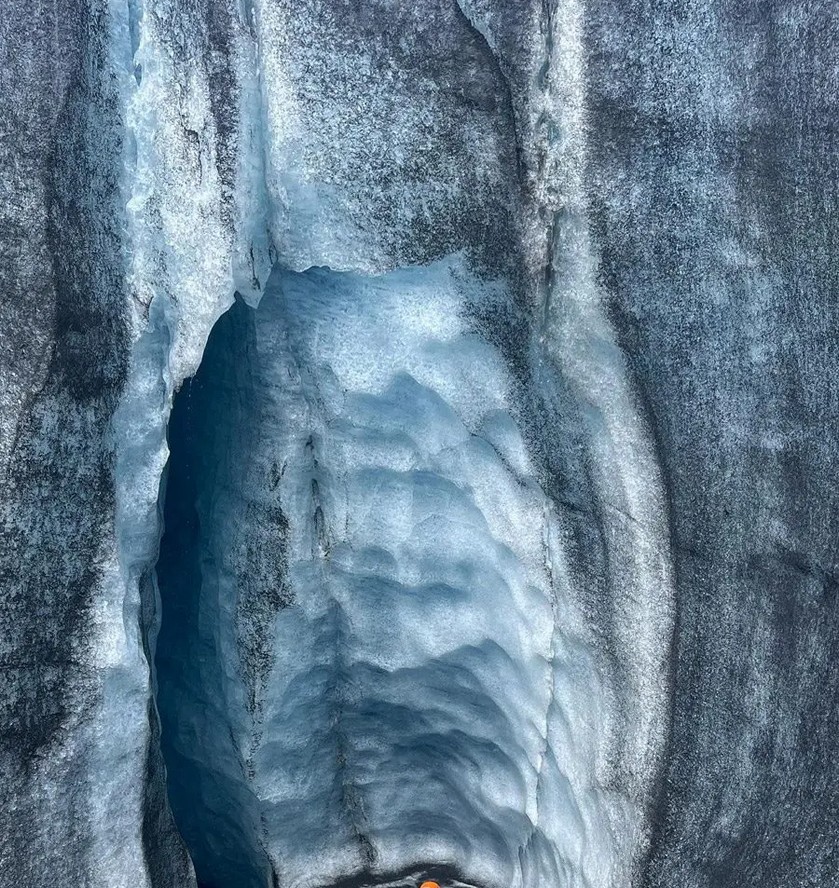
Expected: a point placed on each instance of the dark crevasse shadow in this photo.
(207, 786)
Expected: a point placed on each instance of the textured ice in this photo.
(497, 540)
(393, 669)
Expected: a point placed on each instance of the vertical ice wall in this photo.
(194, 235)
(642, 201)
(594, 432)
(715, 178)
(373, 656)
(63, 357)
(600, 726)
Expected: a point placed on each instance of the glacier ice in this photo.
(494, 345)
(367, 619)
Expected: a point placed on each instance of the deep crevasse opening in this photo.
(209, 799)
(357, 662)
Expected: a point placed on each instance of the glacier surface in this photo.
(418, 444)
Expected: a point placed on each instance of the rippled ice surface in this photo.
(358, 662)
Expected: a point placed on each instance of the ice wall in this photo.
(373, 659)
(718, 248)
(64, 351)
(622, 220)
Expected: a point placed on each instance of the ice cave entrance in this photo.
(336, 550)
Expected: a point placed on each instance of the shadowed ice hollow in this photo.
(370, 657)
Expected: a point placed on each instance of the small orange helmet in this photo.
(429, 885)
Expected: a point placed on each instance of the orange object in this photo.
(429, 885)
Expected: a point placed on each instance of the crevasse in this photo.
(377, 652)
